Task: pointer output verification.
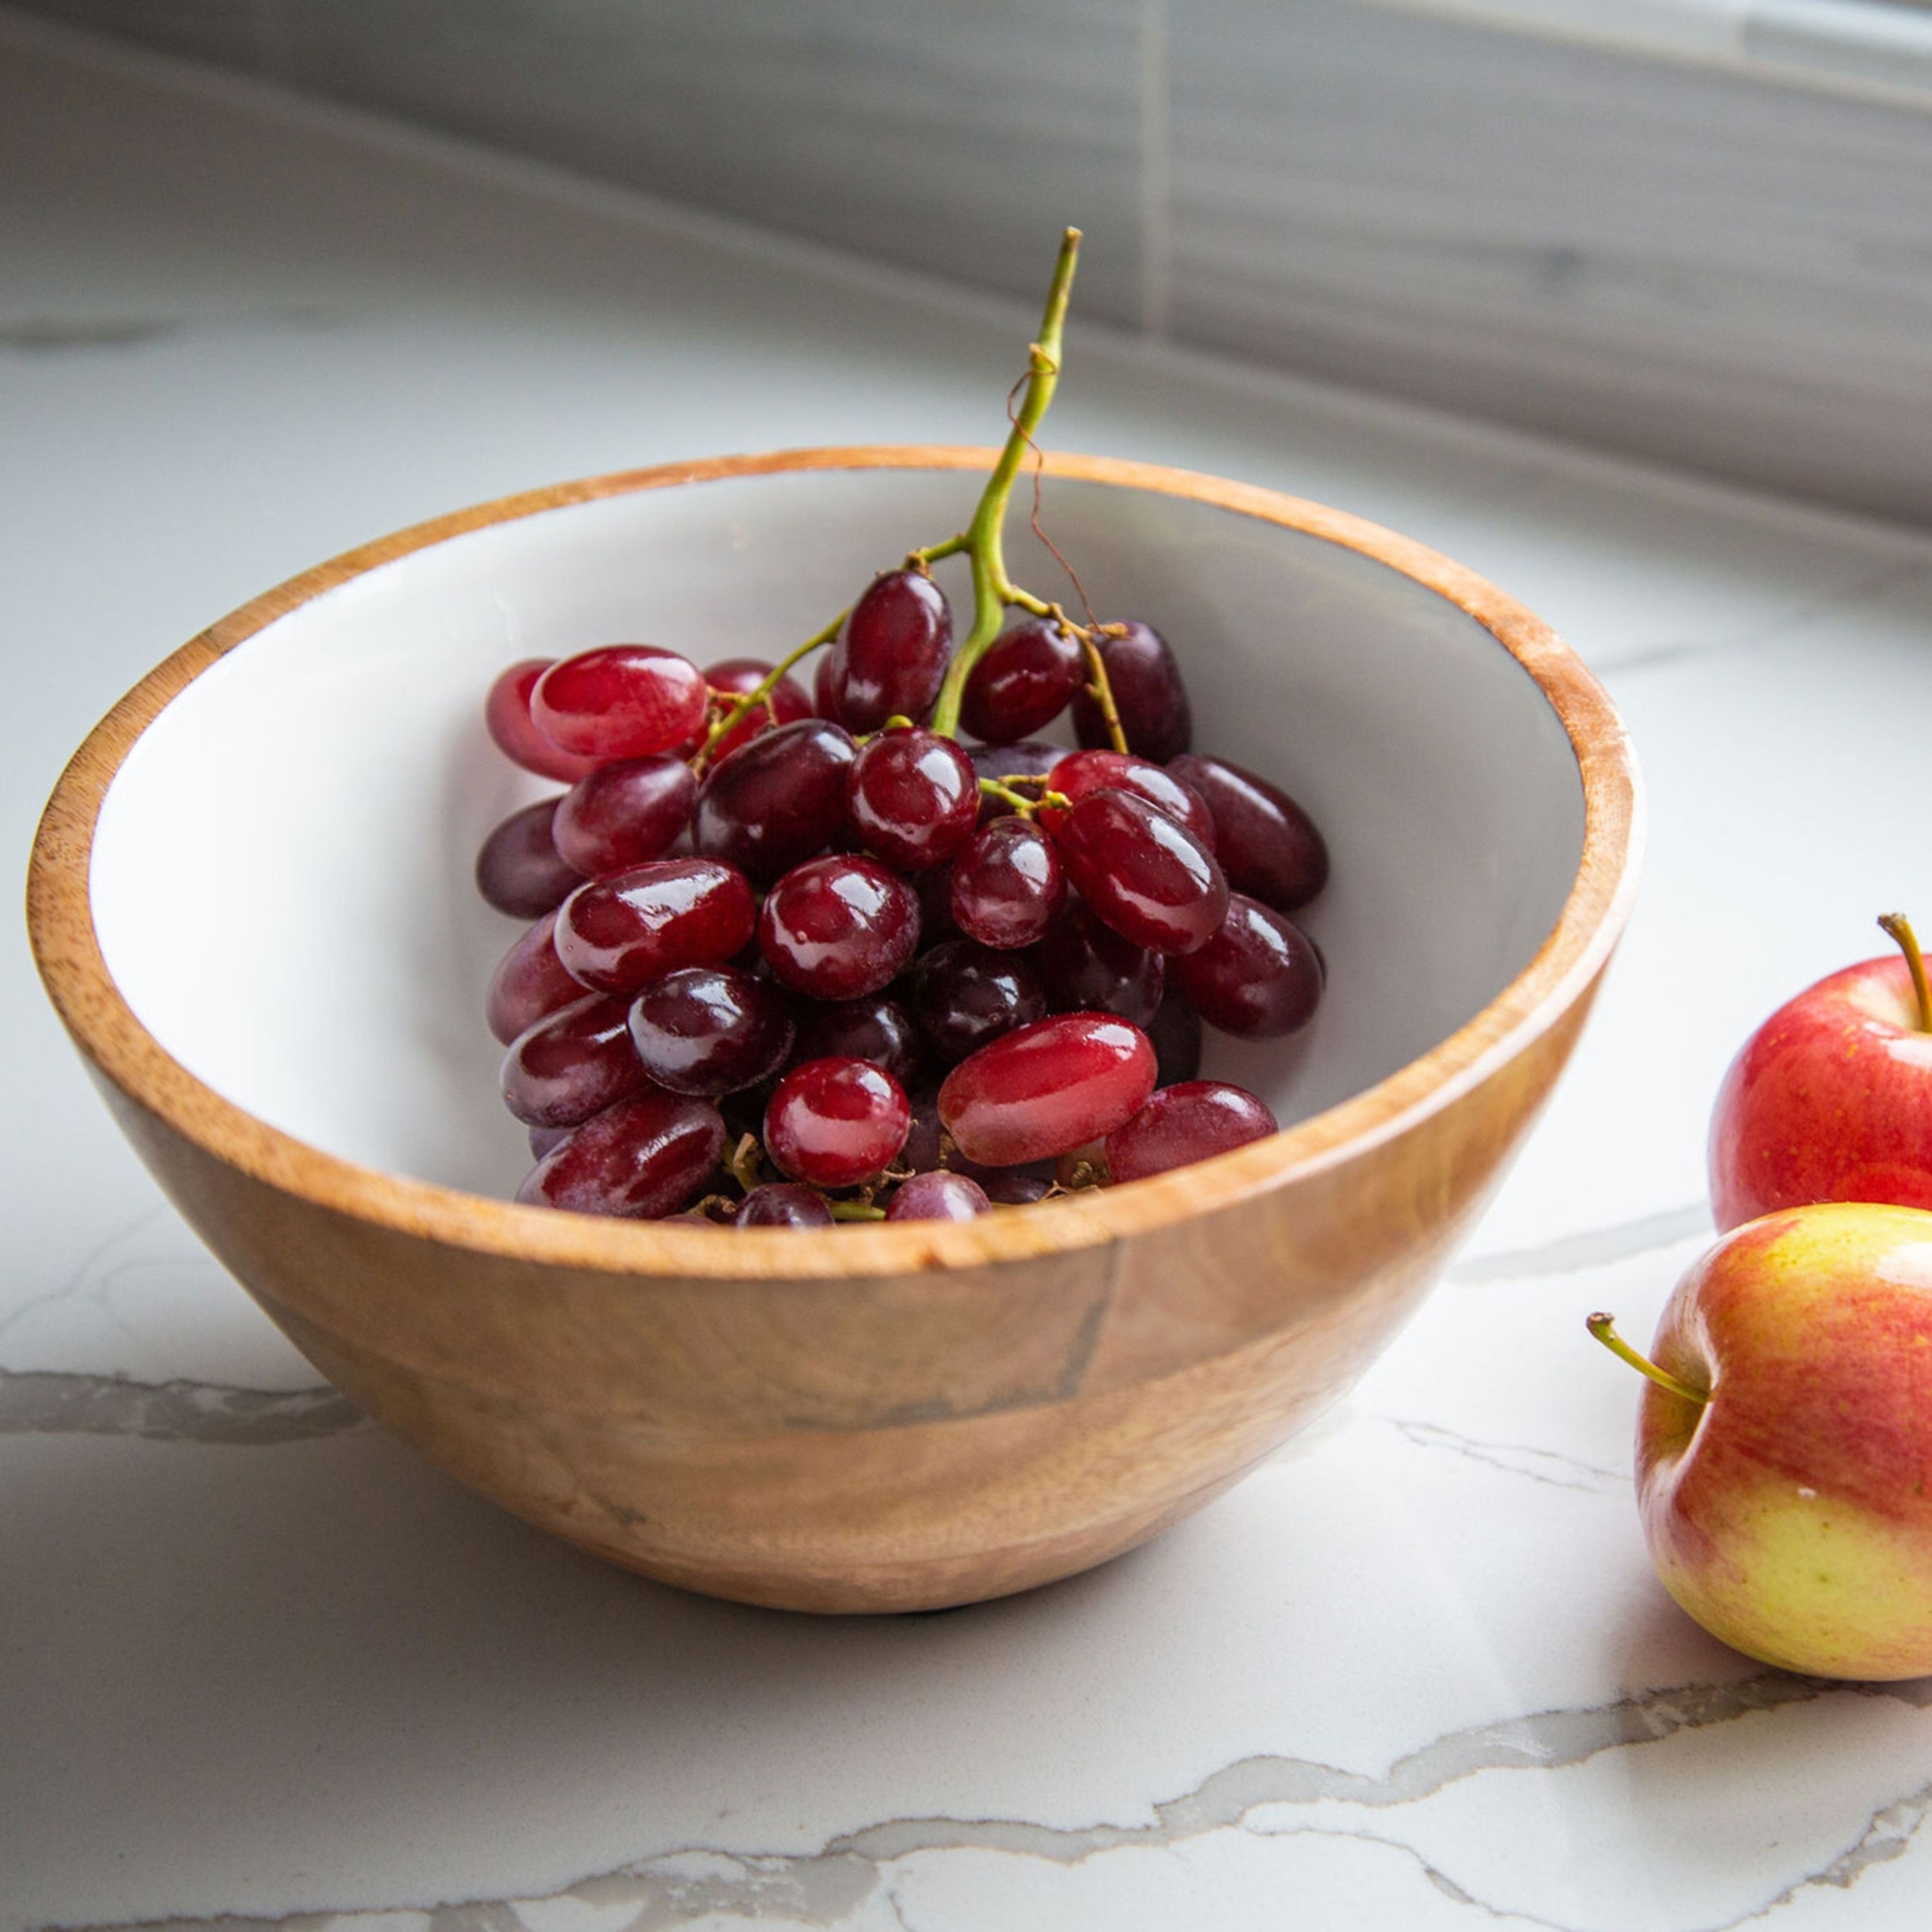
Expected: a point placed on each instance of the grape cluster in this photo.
(799, 959)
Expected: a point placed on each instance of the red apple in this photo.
(1831, 1098)
(1784, 1442)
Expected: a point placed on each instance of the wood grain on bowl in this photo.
(891, 1417)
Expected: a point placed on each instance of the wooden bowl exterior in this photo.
(895, 1418)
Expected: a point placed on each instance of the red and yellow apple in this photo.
(1831, 1099)
(1784, 1442)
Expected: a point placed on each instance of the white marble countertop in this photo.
(258, 1664)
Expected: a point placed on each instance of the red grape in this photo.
(785, 703)
(1085, 966)
(1080, 773)
(529, 981)
(619, 701)
(1142, 872)
(836, 1122)
(506, 715)
(777, 801)
(1047, 1088)
(937, 1195)
(519, 871)
(1269, 847)
(625, 814)
(783, 1204)
(1029, 673)
(572, 1063)
(1156, 717)
(1184, 1123)
(962, 994)
(913, 798)
(643, 1158)
(1008, 886)
(710, 1029)
(617, 934)
(1259, 977)
(837, 929)
(889, 658)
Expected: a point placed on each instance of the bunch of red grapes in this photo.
(832, 964)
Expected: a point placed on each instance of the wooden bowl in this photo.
(250, 901)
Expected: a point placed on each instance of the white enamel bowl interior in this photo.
(282, 874)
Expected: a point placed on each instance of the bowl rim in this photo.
(68, 952)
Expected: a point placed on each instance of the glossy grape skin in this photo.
(1030, 758)
(1080, 773)
(1186, 1123)
(1175, 1030)
(1085, 966)
(962, 994)
(644, 1159)
(710, 1029)
(913, 798)
(572, 1063)
(1026, 679)
(875, 1028)
(1008, 886)
(778, 802)
(1156, 717)
(624, 814)
(619, 701)
(1047, 1088)
(835, 1122)
(529, 982)
(519, 871)
(542, 1139)
(617, 934)
(1269, 847)
(838, 928)
(506, 715)
(890, 655)
(937, 1195)
(1141, 872)
(785, 703)
(1257, 978)
(784, 1204)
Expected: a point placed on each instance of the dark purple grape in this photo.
(890, 657)
(542, 1139)
(644, 1158)
(1085, 966)
(962, 994)
(938, 1196)
(1012, 1186)
(777, 801)
(1175, 1030)
(925, 1146)
(835, 1123)
(874, 1028)
(935, 905)
(1258, 977)
(529, 982)
(1080, 773)
(710, 1029)
(625, 814)
(572, 1063)
(912, 797)
(618, 934)
(1030, 759)
(840, 928)
(1142, 872)
(1008, 886)
(1184, 1123)
(519, 869)
(1155, 715)
(784, 1204)
(1269, 847)
(1029, 673)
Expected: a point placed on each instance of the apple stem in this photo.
(1603, 1327)
(1898, 927)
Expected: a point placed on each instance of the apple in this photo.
(1831, 1099)
(1784, 1442)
